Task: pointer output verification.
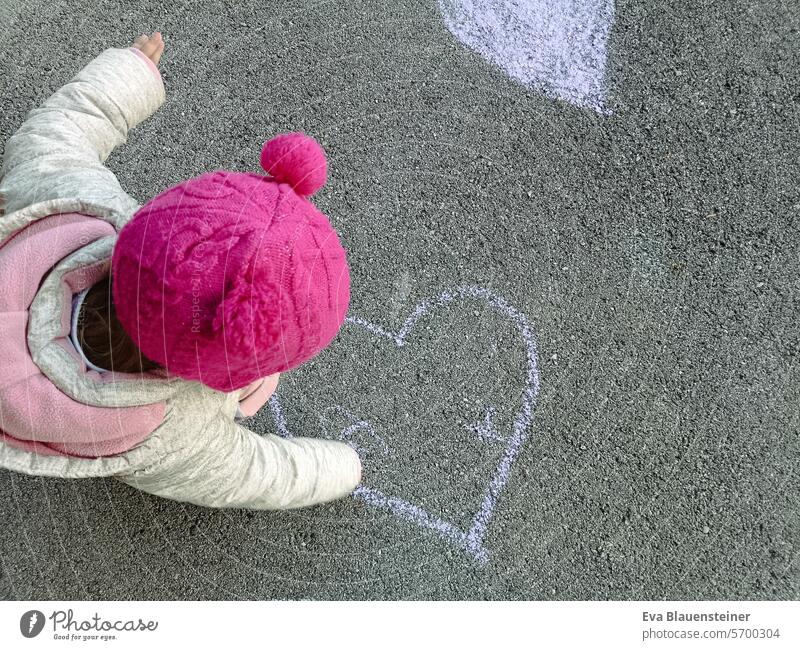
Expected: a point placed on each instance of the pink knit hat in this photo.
(230, 277)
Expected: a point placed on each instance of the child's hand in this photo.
(151, 46)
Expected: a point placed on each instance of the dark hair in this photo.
(102, 338)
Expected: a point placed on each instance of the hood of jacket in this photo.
(53, 410)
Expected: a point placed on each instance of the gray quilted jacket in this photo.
(198, 453)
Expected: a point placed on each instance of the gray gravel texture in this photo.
(654, 252)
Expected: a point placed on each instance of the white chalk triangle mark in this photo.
(486, 429)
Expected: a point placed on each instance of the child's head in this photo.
(230, 277)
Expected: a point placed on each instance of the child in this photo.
(131, 337)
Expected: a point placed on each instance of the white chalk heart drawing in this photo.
(470, 540)
(557, 47)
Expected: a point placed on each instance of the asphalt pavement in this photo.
(648, 256)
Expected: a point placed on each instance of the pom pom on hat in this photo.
(296, 159)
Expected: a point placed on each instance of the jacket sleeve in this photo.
(228, 466)
(59, 150)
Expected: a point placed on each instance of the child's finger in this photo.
(150, 47)
(153, 48)
(159, 50)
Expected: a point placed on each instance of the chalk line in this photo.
(410, 512)
(471, 540)
(278, 418)
(375, 329)
(346, 435)
(557, 47)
